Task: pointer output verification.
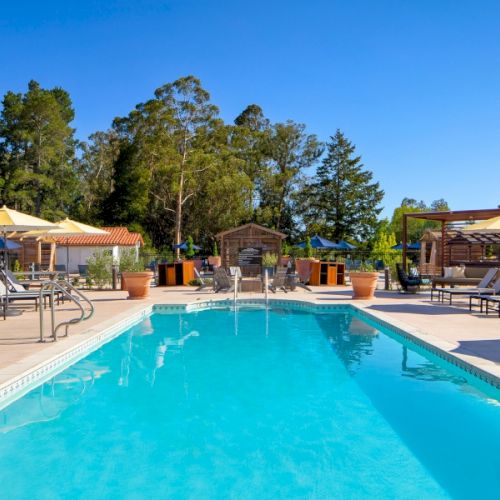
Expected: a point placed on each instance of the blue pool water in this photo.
(253, 404)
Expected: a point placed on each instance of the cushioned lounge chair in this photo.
(486, 301)
(484, 294)
(408, 284)
(17, 296)
(484, 284)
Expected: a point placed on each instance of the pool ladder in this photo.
(68, 291)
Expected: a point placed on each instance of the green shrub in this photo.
(216, 250)
(129, 261)
(189, 247)
(308, 251)
(269, 259)
(99, 269)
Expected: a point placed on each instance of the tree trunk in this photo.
(178, 216)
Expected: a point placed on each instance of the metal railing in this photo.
(64, 288)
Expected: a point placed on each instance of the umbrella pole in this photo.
(6, 310)
(67, 258)
(6, 298)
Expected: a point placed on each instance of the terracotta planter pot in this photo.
(284, 261)
(215, 261)
(138, 284)
(123, 282)
(303, 268)
(363, 285)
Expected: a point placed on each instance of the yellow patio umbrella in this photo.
(12, 220)
(485, 225)
(67, 228)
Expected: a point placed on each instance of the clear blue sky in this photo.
(415, 84)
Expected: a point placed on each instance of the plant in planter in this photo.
(269, 261)
(364, 282)
(137, 279)
(215, 260)
(128, 259)
(304, 266)
(285, 254)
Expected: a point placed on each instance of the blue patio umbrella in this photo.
(344, 245)
(183, 246)
(9, 245)
(320, 243)
(409, 246)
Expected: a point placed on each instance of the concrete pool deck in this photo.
(472, 338)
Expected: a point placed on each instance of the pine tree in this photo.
(342, 200)
(38, 151)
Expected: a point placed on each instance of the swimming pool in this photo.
(254, 404)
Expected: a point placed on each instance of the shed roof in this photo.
(117, 236)
(251, 225)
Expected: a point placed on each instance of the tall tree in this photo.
(38, 149)
(343, 199)
(290, 151)
(127, 204)
(415, 227)
(178, 139)
(249, 140)
(96, 170)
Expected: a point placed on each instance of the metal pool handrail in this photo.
(67, 290)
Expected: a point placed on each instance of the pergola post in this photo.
(405, 238)
(443, 236)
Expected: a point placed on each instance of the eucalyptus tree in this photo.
(173, 134)
(342, 197)
(96, 171)
(249, 140)
(38, 150)
(290, 152)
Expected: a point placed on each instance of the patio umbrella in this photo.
(12, 220)
(183, 246)
(67, 228)
(320, 243)
(409, 246)
(344, 245)
(9, 245)
(489, 225)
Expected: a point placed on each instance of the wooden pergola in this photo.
(445, 218)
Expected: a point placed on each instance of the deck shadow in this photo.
(407, 308)
(486, 349)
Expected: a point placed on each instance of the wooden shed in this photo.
(243, 246)
(40, 250)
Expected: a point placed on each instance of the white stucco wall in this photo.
(79, 255)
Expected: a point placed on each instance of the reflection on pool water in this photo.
(254, 404)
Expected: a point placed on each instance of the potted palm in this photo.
(269, 261)
(135, 278)
(364, 282)
(215, 259)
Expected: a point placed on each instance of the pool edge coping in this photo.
(20, 384)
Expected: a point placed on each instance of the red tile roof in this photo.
(117, 236)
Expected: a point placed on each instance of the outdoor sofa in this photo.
(472, 277)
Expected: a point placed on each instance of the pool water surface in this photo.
(254, 404)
